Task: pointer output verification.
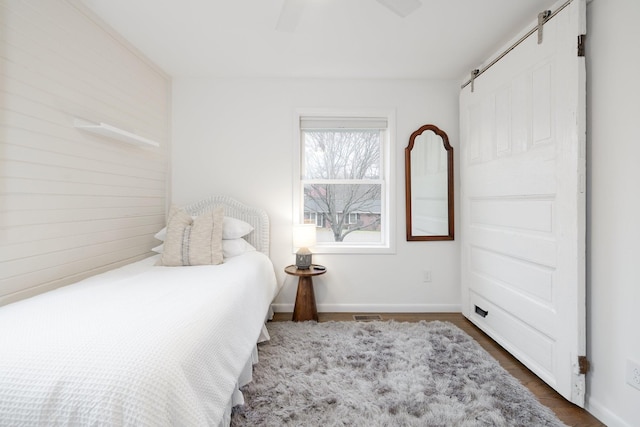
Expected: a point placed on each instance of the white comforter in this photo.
(141, 345)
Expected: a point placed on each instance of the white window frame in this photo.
(388, 227)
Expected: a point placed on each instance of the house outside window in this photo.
(353, 218)
(313, 218)
(345, 179)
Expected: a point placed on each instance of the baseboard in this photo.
(603, 414)
(376, 308)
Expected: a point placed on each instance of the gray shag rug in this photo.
(382, 374)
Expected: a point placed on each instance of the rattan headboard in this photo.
(257, 217)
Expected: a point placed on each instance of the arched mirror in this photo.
(429, 185)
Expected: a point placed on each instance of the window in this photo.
(311, 217)
(344, 181)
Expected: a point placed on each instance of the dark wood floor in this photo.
(566, 411)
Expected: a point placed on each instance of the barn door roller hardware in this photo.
(543, 18)
(474, 74)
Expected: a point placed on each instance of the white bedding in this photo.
(140, 345)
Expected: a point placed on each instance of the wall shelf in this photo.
(113, 132)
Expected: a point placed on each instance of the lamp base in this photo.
(303, 260)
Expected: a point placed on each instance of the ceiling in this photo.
(442, 39)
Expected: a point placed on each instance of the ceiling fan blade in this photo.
(401, 8)
(290, 15)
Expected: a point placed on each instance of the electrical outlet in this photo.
(633, 374)
(426, 276)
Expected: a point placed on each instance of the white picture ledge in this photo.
(113, 132)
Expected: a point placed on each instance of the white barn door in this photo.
(523, 202)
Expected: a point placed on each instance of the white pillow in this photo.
(158, 249)
(235, 247)
(232, 228)
(161, 235)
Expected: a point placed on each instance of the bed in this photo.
(142, 344)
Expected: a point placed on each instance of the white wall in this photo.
(73, 204)
(235, 137)
(613, 59)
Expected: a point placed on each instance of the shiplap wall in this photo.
(73, 204)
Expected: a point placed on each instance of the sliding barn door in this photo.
(523, 201)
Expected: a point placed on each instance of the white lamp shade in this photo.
(304, 235)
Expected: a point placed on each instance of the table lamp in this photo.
(304, 236)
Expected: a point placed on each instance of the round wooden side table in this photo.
(305, 307)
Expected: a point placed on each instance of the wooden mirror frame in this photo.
(407, 176)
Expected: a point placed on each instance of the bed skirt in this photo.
(246, 376)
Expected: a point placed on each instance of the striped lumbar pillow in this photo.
(193, 241)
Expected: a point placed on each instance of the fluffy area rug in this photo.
(382, 374)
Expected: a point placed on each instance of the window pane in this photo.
(347, 213)
(342, 154)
